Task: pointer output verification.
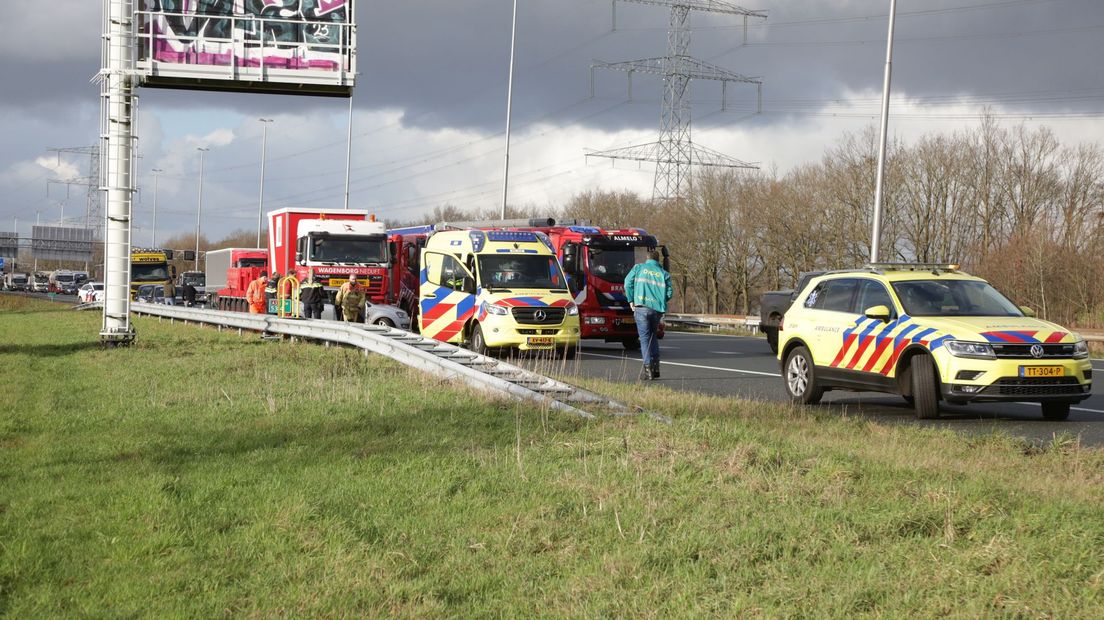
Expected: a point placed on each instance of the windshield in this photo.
(246, 263)
(520, 271)
(613, 264)
(142, 272)
(19, 279)
(64, 278)
(348, 249)
(195, 280)
(953, 298)
(41, 279)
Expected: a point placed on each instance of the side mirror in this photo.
(1028, 312)
(299, 257)
(469, 285)
(172, 271)
(571, 258)
(881, 313)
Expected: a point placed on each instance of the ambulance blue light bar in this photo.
(508, 236)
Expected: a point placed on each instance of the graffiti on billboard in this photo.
(281, 34)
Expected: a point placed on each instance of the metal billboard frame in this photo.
(235, 59)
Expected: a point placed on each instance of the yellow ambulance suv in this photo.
(494, 289)
(929, 333)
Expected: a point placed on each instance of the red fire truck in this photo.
(596, 261)
(333, 244)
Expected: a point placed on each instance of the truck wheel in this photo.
(772, 339)
(632, 345)
(800, 377)
(924, 390)
(478, 343)
(1056, 412)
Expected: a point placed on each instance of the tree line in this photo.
(1012, 205)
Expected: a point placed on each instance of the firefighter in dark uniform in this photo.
(313, 296)
(270, 293)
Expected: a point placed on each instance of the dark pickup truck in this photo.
(773, 306)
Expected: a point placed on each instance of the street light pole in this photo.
(349, 153)
(876, 234)
(199, 205)
(260, 201)
(509, 112)
(156, 178)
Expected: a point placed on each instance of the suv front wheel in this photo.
(925, 393)
(800, 376)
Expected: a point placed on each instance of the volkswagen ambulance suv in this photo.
(928, 333)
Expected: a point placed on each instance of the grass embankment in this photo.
(202, 474)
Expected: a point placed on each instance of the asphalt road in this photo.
(743, 366)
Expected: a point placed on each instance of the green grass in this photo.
(201, 474)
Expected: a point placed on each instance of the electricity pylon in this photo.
(675, 154)
(94, 209)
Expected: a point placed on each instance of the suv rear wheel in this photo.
(800, 376)
(924, 391)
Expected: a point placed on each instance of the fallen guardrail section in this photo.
(434, 357)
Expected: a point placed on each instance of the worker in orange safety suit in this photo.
(255, 295)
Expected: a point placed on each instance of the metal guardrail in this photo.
(434, 357)
(713, 321)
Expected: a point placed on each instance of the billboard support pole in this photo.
(117, 132)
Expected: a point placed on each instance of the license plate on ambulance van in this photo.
(1042, 371)
(539, 342)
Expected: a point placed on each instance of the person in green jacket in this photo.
(648, 289)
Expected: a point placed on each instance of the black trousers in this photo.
(313, 311)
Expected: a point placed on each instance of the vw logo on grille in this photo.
(541, 315)
(1037, 351)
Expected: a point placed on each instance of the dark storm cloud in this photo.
(445, 62)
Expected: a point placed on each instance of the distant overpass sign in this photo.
(9, 245)
(62, 243)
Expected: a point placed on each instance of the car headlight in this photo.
(572, 309)
(976, 350)
(499, 310)
(1080, 350)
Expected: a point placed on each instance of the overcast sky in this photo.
(430, 101)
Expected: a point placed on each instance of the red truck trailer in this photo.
(229, 273)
